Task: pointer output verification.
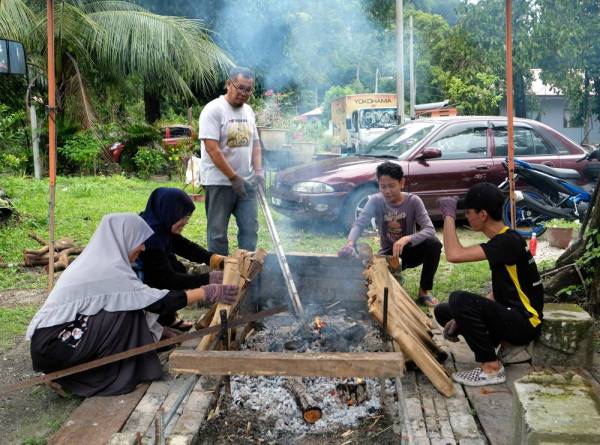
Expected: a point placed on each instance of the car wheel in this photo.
(355, 204)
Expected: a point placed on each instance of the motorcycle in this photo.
(549, 193)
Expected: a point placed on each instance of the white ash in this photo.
(273, 404)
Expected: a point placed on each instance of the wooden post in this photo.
(509, 112)
(51, 140)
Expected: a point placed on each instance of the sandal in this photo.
(182, 325)
(427, 300)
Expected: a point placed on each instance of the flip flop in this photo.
(182, 325)
(427, 300)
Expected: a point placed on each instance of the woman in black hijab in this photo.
(167, 212)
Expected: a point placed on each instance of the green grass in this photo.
(13, 322)
(82, 201)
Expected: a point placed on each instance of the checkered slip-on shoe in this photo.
(476, 377)
(513, 355)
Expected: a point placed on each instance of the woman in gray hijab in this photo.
(99, 307)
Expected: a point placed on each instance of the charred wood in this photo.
(309, 408)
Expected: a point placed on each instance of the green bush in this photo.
(82, 152)
(135, 136)
(562, 224)
(149, 161)
(14, 152)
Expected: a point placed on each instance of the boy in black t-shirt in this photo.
(512, 312)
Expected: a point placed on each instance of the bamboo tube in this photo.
(231, 275)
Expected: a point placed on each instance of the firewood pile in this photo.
(64, 250)
(408, 326)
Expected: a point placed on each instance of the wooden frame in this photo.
(321, 364)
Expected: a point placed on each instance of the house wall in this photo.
(552, 109)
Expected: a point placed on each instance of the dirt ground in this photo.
(29, 416)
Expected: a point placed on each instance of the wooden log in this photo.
(311, 412)
(63, 258)
(340, 364)
(30, 260)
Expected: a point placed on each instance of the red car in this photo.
(440, 157)
(174, 134)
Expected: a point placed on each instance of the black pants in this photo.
(484, 323)
(426, 253)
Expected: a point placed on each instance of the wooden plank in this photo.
(493, 403)
(436, 411)
(429, 410)
(144, 413)
(414, 409)
(97, 419)
(194, 411)
(340, 364)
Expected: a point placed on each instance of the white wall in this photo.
(552, 114)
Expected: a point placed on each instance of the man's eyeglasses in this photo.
(246, 90)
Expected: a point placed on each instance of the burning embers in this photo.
(352, 392)
(318, 323)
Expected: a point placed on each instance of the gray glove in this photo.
(448, 206)
(220, 293)
(347, 252)
(215, 277)
(239, 186)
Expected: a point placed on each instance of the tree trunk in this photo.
(520, 95)
(151, 105)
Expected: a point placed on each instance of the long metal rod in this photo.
(136, 351)
(285, 268)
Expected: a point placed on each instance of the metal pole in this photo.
(377, 80)
(51, 140)
(413, 86)
(400, 60)
(283, 264)
(35, 142)
(509, 113)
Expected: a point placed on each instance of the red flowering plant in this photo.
(270, 109)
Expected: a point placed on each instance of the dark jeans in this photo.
(484, 323)
(426, 253)
(222, 202)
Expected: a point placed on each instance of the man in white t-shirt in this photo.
(230, 165)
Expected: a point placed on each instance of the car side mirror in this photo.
(348, 124)
(431, 153)
(12, 58)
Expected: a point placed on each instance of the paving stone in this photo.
(554, 408)
(566, 339)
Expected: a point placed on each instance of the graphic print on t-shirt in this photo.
(238, 133)
(394, 225)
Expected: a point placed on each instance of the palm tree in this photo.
(118, 39)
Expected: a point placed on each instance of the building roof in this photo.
(539, 88)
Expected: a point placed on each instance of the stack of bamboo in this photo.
(240, 269)
(406, 324)
(64, 248)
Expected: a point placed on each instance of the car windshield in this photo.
(378, 118)
(399, 141)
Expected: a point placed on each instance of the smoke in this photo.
(312, 44)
